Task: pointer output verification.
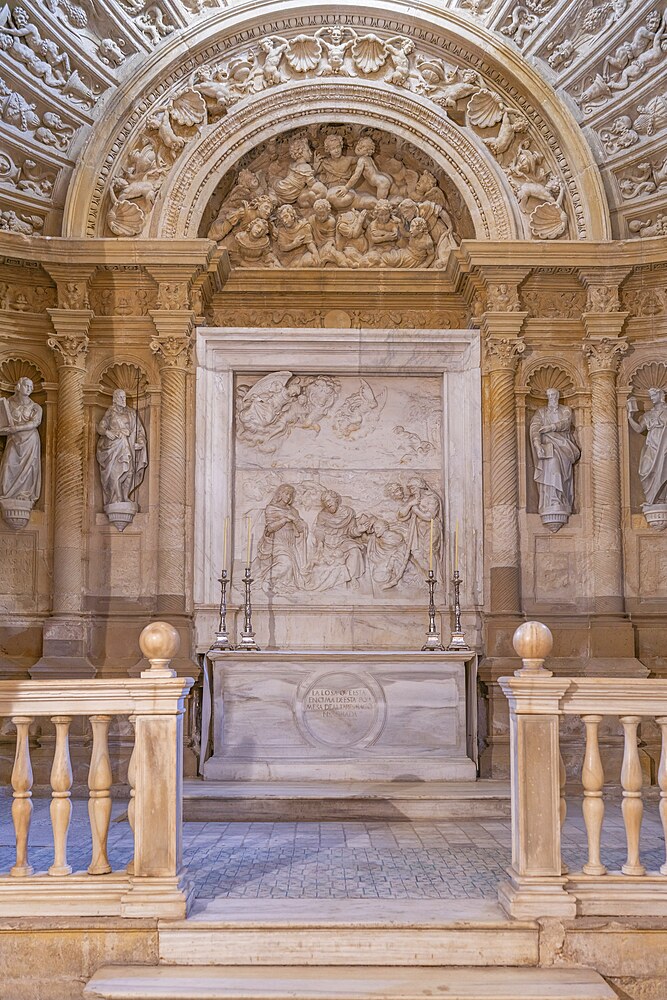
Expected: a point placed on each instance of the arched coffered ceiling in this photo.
(567, 97)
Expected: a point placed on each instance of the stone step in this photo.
(206, 982)
(423, 932)
(296, 801)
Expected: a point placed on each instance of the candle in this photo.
(225, 526)
(456, 545)
(430, 551)
(247, 558)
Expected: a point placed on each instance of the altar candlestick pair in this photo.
(222, 641)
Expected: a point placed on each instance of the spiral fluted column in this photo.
(603, 355)
(502, 350)
(65, 643)
(173, 348)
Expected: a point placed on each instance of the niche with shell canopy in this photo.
(121, 463)
(543, 377)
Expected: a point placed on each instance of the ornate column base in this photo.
(527, 898)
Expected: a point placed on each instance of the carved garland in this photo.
(540, 190)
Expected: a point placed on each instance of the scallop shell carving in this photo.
(652, 375)
(13, 369)
(125, 218)
(123, 376)
(304, 53)
(369, 53)
(189, 108)
(549, 377)
(548, 221)
(484, 109)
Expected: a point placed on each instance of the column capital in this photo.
(502, 353)
(603, 354)
(174, 338)
(70, 341)
(72, 282)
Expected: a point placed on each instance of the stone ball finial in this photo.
(159, 643)
(533, 642)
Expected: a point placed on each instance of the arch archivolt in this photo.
(517, 158)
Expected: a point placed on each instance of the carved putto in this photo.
(338, 197)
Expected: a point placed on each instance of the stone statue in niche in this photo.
(555, 452)
(122, 457)
(21, 465)
(653, 459)
(347, 198)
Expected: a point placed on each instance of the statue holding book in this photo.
(555, 452)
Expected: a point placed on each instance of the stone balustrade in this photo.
(152, 884)
(540, 884)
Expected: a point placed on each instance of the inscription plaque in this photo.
(340, 709)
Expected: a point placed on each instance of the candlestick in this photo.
(430, 550)
(456, 546)
(247, 642)
(222, 643)
(458, 639)
(225, 528)
(247, 557)
(432, 643)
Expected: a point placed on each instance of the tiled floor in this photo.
(348, 860)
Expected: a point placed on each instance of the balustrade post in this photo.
(132, 782)
(99, 803)
(662, 781)
(157, 779)
(632, 805)
(592, 778)
(537, 883)
(61, 806)
(22, 786)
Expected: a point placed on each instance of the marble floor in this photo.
(337, 860)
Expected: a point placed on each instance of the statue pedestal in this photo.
(342, 716)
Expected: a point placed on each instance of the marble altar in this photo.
(341, 716)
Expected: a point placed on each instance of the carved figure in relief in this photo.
(334, 168)
(339, 546)
(421, 505)
(554, 454)
(630, 61)
(122, 454)
(648, 227)
(367, 170)
(282, 549)
(254, 245)
(399, 50)
(269, 409)
(620, 134)
(273, 56)
(522, 22)
(383, 227)
(110, 52)
(351, 420)
(294, 238)
(653, 459)
(15, 110)
(21, 465)
(337, 47)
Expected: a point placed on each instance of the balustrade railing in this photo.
(152, 884)
(540, 885)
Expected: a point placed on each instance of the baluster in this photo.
(592, 778)
(633, 807)
(61, 784)
(99, 802)
(562, 778)
(662, 781)
(131, 780)
(22, 804)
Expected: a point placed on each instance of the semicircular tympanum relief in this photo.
(337, 196)
(436, 82)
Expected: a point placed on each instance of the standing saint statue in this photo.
(21, 466)
(554, 453)
(653, 459)
(122, 457)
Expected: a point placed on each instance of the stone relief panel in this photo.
(340, 52)
(18, 570)
(652, 568)
(341, 477)
(339, 196)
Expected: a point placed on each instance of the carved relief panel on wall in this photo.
(341, 477)
(338, 196)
